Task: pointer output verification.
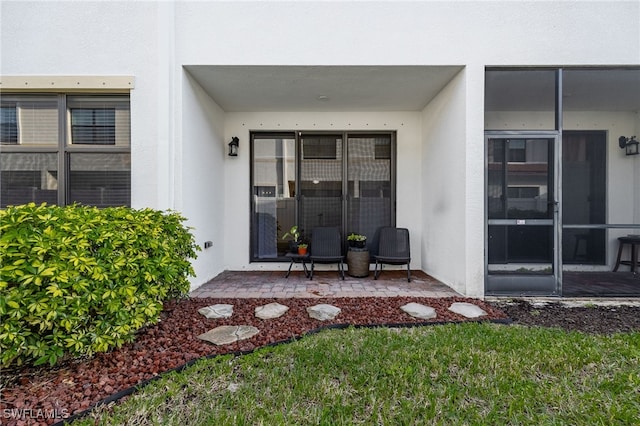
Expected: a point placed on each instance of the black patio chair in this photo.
(326, 247)
(393, 249)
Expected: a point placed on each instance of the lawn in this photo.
(472, 374)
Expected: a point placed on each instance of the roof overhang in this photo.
(248, 88)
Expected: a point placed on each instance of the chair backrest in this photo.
(394, 242)
(325, 241)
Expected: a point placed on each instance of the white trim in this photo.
(83, 83)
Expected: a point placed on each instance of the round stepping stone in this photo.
(226, 334)
(323, 312)
(468, 310)
(217, 311)
(270, 311)
(418, 310)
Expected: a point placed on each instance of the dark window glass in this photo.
(101, 180)
(8, 125)
(584, 164)
(383, 150)
(520, 99)
(28, 178)
(93, 126)
(517, 151)
(320, 148)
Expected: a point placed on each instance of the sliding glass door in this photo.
(312, 179)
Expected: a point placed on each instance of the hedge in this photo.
(77, 280)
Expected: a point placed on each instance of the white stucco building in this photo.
(489, 129)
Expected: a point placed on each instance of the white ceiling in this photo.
(322, 88)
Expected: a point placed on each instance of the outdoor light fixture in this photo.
(630, 145)
(233, 147)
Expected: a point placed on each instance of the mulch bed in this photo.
(588, 319)
(75, 385)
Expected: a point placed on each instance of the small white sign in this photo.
(521, 222)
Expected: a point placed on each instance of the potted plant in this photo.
(357, 240)
(302, 248)
(295, 234)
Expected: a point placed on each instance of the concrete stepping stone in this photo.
(270, 311)
(418, 310)
(217, 311)
(226, 334)
(468, 310)
(323, 312)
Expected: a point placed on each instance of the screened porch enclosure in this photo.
(342, 179)
(555, 218)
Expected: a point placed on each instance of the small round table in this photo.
(358, 262)
(298, 258)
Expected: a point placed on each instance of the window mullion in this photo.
(62, 154)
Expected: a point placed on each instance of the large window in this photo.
(312, 179)
(64, 149)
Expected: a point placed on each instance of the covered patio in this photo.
(273, 284)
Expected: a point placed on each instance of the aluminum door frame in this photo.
(521, 284)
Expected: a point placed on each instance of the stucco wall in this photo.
(394, 32)
(407, 126)
(202, 180)
(443, 185)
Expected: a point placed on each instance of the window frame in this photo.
(63, 148)
(13, 130)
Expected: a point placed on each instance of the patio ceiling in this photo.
(322, 88)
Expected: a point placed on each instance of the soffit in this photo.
(322, 88)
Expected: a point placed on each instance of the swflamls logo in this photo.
(28, 413)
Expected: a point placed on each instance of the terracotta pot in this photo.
(302, 250)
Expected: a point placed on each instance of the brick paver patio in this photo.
(273, 284)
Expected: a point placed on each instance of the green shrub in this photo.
(77, 280)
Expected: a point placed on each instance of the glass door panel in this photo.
(368, 185)
(273, 185)
(321, 172)
(521, 212)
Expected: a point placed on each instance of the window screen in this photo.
(41, 132)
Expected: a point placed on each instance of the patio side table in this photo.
(298, 258)
(632, 262)
(358, 262)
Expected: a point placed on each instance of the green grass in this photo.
(465, 374)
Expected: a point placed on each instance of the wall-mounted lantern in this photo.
(630, 145)
(233, 147)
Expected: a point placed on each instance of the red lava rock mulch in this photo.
(34, 395)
